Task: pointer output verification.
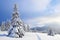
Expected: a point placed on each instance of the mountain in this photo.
(39, 29)
(54, 26)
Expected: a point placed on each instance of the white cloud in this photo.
(43, 20)
(35, 5)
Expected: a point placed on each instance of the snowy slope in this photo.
(44, 36)
(30, 36)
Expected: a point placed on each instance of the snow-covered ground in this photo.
(44, 36)
(30, 36)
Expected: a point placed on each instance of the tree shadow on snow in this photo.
(3, 34)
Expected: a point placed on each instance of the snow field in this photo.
(30, 36)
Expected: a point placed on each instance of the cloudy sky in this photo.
(32, 12)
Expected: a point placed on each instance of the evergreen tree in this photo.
(3, 26)
(28, 29)
(17, 24)
(8, 23)
(51, 32)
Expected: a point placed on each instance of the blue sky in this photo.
(32, 12)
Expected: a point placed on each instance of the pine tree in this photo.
(17, 24)
(28, 29)
(51, 32)
(8, 23)
(3, 26)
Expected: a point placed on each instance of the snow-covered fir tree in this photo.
(27, 29)
(7, 25)
(51, 32)
(3, 26)
(16, 29)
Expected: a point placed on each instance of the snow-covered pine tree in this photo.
(27, 29)
(50, 32)
(3, 26)
(17, 25)
(7, 25)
